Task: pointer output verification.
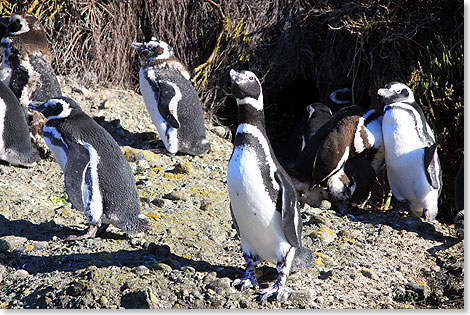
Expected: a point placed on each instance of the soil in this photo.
(190, 257)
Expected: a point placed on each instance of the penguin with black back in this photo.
(26, 68)
(15, 143)
(98, 178)
(317, 115)
(170, 98)
(344, 155)
(413, 167)
(263, 201)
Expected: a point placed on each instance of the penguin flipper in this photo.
(235, 224)
(166, 103)
(429, 165)
(287, 200)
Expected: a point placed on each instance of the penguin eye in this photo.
(250, 78)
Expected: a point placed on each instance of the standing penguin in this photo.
(98, 179)
(344, 155)
(317, 115)
(413, 168)
(15, 143)
(173, 104)
(26, 68)
(263, 201)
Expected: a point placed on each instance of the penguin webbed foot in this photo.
(247, 282)
(277, 291)
(90, 233)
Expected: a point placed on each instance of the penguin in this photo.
(15, 144)
(344, 155)
(459, 194)
(317, 115)
(263, 201)
(413, 167)
(98, 178)
(26, 68)
(173, 104)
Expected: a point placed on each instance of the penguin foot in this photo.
(90, 233)
(277, 291)
(246, 282)
(102, 229)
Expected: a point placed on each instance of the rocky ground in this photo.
(365, 259)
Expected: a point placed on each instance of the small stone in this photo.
(162, 266)
(206, 205)
(219, 283)
(141, 270)
(10, 243)
(161, 203)
(104, 301)
(325, 274)
(325, 204)
(319, 300)
(41, 245)
(421, 289)
(302, 296)
(20, 273)
(222, 132)
(183, 168)
(109, 103)
(177, 195)
(325, 235)
(368, 274)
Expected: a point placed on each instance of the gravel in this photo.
(190, 257)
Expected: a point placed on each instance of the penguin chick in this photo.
(413, 167)
(15, 144)
(263, 201)
(98, 178)
(26, 68)
(173, 104)
(317, 115)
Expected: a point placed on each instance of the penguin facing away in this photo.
(413, 167)
(344, 155)
(170, 98)
(317, 115)
(263, 201)
(98, 178)
(26, 68)
(15, 143)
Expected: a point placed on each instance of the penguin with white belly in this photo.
(15, 143)
(26, 68)
(173, 104)
(263, 201)
(98, 178)
(413, 167)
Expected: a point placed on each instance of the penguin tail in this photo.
(303, 258)
(138, 225)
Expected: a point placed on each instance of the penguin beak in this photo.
(37, 106)
(384, 92)
(235, 76)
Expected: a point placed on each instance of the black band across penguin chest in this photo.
(264, 161)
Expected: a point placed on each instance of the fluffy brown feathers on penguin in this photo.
(26, 68)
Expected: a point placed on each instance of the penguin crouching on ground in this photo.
(263, 201)
(413, 167)
(170, 98)
(98, 178)
(15, 143)
(26, 68)
(345, 155)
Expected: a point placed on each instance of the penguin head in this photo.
(317, 109)
(153, 50)
(56, 108)
(245, 84)
(17, 24)
(396, 92)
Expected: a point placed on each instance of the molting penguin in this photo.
(344, 155)
(98, 179)
(317, 115)
(173, 104)
(413, 168)
(26, 68)
(15, 143)
(263, 201)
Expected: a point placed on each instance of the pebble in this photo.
(20, 273)
(368, 274)
(183, 168)
(302, 296)
(10, 243)
(177, 195)
(421, 289)
(162, 266)
(325, 204)
(326, 235)
(141, 270)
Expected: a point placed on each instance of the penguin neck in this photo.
(171, 62)
(249, 114)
